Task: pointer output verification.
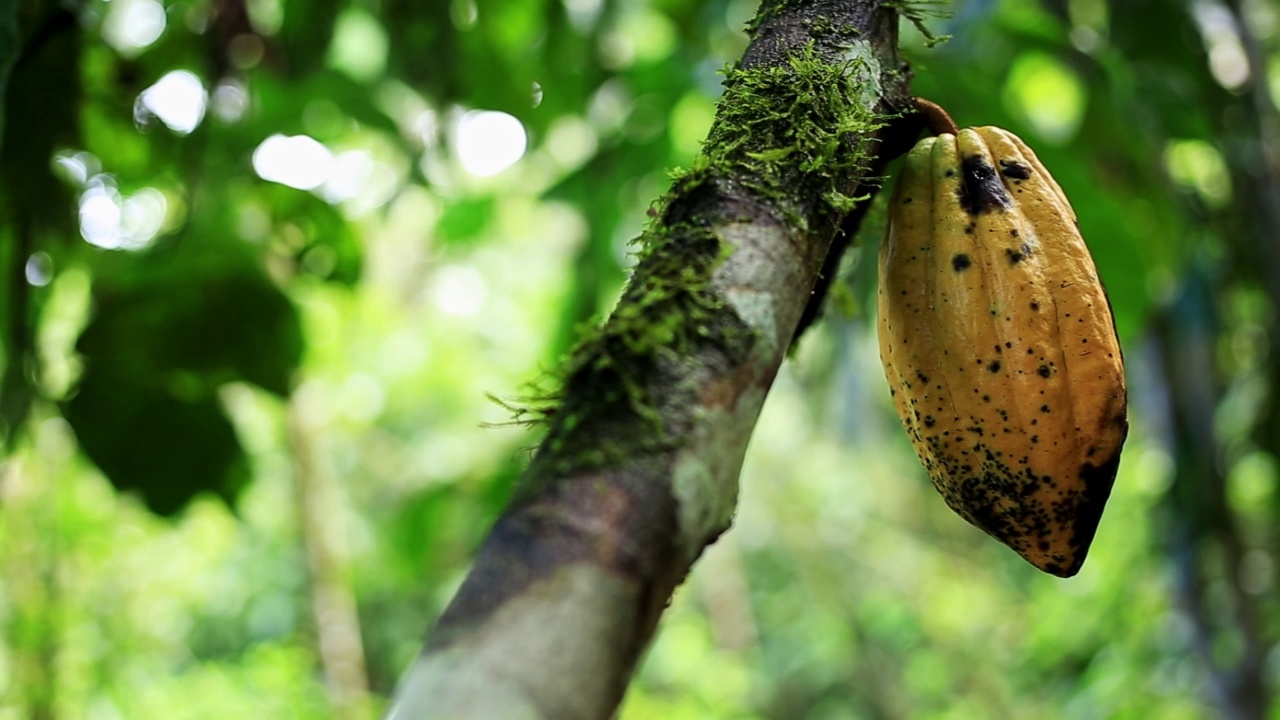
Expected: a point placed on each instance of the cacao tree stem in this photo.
(938, 120)
(638, 470)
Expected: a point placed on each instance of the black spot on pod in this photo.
(981, 190)
(994, 366)
(1014, 256)
(1014, 169)
(960, 262)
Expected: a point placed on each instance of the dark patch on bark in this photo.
(623, 523)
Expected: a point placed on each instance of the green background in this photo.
(261, 374)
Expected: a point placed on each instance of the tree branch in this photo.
(638, 472)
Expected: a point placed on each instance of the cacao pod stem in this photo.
(938, 120)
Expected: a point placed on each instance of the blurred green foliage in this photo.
(189, 321)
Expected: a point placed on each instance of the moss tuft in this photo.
(798, 135)
(804, 122)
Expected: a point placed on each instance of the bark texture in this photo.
(639, 469)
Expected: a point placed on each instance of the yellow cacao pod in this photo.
(999, 346)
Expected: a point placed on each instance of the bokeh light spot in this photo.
(298, 161)
(1198, 166)
(177, 99)
(359, 46)
(460, 290)
(1047, 94)
(39, 269)
(230, 100)
(488, 142)
(111, 221)
(133, 25)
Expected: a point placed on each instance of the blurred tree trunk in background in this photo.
(1204, 541)
(322, 519)
(1223, 385)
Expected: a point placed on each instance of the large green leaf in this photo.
(209, 311)
(171, 326)
(149, 439)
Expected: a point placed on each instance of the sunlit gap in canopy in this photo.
(1228, 61)
(133, 25)
(108, 218)
(583, 14)
(112, 221)
(178, 99)
(460, 290)
(298, 161)
(304, 163)
(486, 142)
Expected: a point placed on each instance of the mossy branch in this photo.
(638, 471)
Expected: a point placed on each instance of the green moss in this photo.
(795, 134)
(669, 312)
(806, 122)
(668, 308)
